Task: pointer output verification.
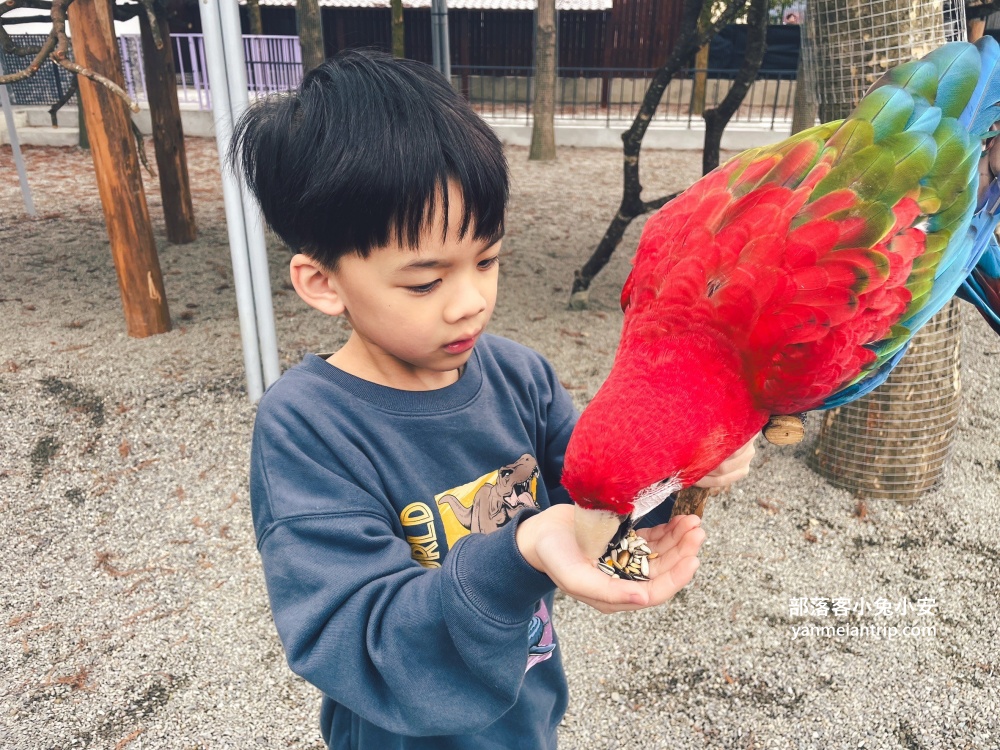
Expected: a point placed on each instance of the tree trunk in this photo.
(543, 131)
(253, 11)
(309, 25)
(168, 133)
(804, 109)
(117, 168)
(699, 89)
(398, 37)
(716, 119)
(895, 442)
(700, 86)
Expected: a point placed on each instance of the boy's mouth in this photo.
(461, 345)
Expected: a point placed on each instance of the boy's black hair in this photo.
(360, 154)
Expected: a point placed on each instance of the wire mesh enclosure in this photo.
(849, 44)
(896, 442)
(46, 86)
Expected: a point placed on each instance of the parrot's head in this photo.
(670, 412)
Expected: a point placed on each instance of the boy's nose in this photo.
(468, 302)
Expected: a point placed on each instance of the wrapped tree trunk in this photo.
(895, 442)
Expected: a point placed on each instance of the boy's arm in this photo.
(414, 650)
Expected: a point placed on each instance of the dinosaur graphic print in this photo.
(497, 498)
(487, 504)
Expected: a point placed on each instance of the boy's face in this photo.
(415, 314)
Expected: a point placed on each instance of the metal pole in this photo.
(232, 42)
(215, 60)
(15, 145)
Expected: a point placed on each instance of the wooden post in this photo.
(117, 167)
(168, 133)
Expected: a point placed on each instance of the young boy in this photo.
(405, 489)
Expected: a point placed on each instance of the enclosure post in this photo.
(116, 163)
(895, 442)
(15, 146)
(168, 132)
(224, 57)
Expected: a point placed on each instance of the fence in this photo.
(612, 95)
(593, 95)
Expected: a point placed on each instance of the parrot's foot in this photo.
(785, 429)
(627, 555)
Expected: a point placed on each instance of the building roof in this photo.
(456, 4)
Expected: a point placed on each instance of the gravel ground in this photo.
(132, 604)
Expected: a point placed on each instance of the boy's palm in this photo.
(548, 542)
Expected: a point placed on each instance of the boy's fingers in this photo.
(668, 557)
(672, 532)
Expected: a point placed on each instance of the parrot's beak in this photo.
(594, 529)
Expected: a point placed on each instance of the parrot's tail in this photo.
(982, 287)
(982, 116)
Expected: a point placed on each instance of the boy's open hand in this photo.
(548, 542)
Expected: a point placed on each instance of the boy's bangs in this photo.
(362, 154)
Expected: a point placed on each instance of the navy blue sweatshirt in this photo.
(385, 520)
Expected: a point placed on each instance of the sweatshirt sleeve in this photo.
(414, 650)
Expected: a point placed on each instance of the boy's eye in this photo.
(423, 288)
(489, 262)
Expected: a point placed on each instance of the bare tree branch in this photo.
(73, 87)
(717, 118)
(140, 147)
(56, 47)
(975, 11)
(96, 78)
(43, 52)
(690, 39)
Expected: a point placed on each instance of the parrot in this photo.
(792, 278)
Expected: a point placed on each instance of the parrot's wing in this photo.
(821, 256)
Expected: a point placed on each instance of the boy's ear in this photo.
(315, 284)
